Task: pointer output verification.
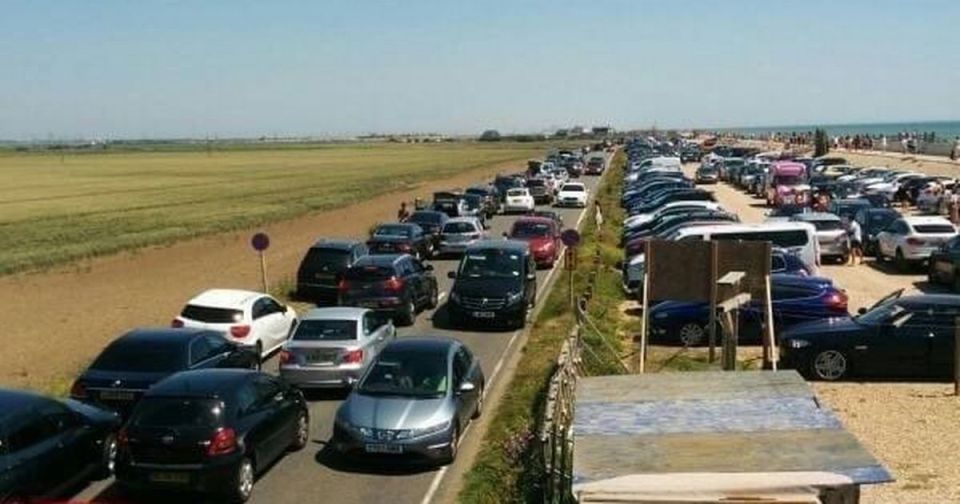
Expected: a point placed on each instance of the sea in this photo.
(943, 130)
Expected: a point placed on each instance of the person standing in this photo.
(955, 153)
(855, 239)
(403, 214)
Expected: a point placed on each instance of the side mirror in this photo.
(428, 267)
(862, 310)
(451, 274)
(467, 387)
(531, 276)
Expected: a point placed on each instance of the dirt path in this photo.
(56, 321)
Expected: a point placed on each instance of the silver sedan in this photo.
(331, 347)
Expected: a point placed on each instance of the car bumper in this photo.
(385, 304)
(918, 253)
(308, 377)
(514, 314)
(507, 207)
(571, 203)
(432, 447)
(833, 248)
(212, 476)
(317, 292)
(545, 258)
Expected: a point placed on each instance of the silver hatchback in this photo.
(331, 347)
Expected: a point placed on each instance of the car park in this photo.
(247, 318)
(518, 200)
(211, 431)
(494, 284)
(321, 267)
(398, 284)
(572, 194)
(911, 240)
(48, 447)
(415, 401)
(457, 234)
(542, 236)
(331, 347)
(401, 238)
(134, 362)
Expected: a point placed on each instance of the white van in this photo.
(798, 237)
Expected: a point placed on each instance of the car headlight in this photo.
(514, 297)
(798, 343)
(426, 431)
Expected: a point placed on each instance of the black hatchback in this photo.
(211, 431)
(48, 447)
(401, 238)
(397, 284)
(130, 365)
(320, 270)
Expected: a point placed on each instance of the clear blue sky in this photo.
(191, 68)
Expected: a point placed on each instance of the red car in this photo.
(543, 236)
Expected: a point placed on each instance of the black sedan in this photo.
(211, 431)
(401, 238)
(135, 361)
(47, 447)
(900, 336)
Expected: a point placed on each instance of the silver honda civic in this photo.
(414, 401)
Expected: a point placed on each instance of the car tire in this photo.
(409, 315)
(108, 458)
(828, 365)
(901, 262)
(479, 409)
(434, 299)
(243, 481)
(301, 436)
(692, 334)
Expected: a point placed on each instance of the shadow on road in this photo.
(333, 460)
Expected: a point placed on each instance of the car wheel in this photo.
(829, 365)
(479, 409)
(108, 457)
(302, 435)
(434, 299)
(901, 262)
(409, 314)
(243, 481)
(691, 334)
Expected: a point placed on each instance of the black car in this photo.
(48, 447)
(401, 238)
(211, 431)
(431, 222)
(503, 183)
(398, 284)
(495, 283)
(489, 195)
(872, 221)
(320, 270)
(848, 207)
(450, 203)
(944, 265)
(130, 365)
(900, 336)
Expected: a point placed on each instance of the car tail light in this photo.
(286, 357)
(176, 323)
(394, 284)
(343, 286)
(239, 331)
(354, 356)
(837, 301)
(78, 390)
(222, 443)
(915, 241)
(405, 247)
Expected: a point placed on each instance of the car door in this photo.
(419, 276)
(465, 401)
(269, 317)
(271, 414)
(45, 450)
(902, 345)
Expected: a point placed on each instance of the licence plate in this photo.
(483, 314)
(320, 357)
(383, 448)
(170, 477)
(116, 395)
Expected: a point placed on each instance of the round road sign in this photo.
(260, 242)
(570, 238)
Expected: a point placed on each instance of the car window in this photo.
(199, 350)
(777, 263)
(246, 399)
(149, 357)
(784, 292)
(461, 365)
(259, 309)
(326, 330)
(211, 315)
(177, 412)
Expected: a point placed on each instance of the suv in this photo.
(320, 270)
(496, 282)
(401, 238)
(398, 284)
(540, 190)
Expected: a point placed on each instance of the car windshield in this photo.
(572, 188)
(459, 228)
(211, 315)
(523, 229)
(177, 412)
(491, 263)
(881, 313)
(473, 201)
(410, 373)
(392, 231)
(137, 356)
(327, 259)
(325, 330)
(788, 180)
(369, 272)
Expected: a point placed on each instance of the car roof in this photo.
(398, 224)
(225, 298)
(201, 383)
(428, 212)
(534, 219)
(378, 260)
(15, 401)
(734, 228)
(565, 184)
(469, 220)
(334, 313)
(436, 343)
(155, 335)
(335, 243)
(853, 201)
(519, 246)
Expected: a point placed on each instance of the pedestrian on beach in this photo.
(954, 204)
(955, 153)
(883, 143)
(854, 241)
(403, 214)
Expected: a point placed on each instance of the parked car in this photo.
(211, 431)
(400, 285)
(503, 183)
(401, 238)
(321, 267)
(541, 192)
(518, 200)
(900, 336)
(331, 347)
(450, 203)
(543, 237)
(431, 222)
(457, 234)
(134, 362)
(475, 208)
(247, 318)
(831, 236)
(944, 264)
(49, 447)
(707, 174)
(872, 221)
(911, 240)
(848, 207)
(416, 400)
(495, 283)
(796, 299)
(573, 194)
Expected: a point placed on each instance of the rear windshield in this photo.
(536, 183)
(369, 273)
(572, 188)
(784, 239)
(330, 260)
(426, 217)
(392, 231)
(530, 229)
(177, 412)
(459, 227)
(934, 228)
(211, 315)
(516, 192)
(491, 263)
(826, 225)
(326, 330)
(147, 357)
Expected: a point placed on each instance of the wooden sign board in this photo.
(679, 270)
(750, 257)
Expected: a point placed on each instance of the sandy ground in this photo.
(56, 321)
(930, 165)
(910, 427)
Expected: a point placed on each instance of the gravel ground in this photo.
(910, 427)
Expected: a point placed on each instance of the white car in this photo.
(912, 239)
(890, 184)
(252, 319)
(669, 208)
(572, 194)
(518, 199)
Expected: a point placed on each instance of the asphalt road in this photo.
(319, 474)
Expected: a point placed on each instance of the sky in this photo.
(125, 69)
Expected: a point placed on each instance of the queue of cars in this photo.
(188, 407)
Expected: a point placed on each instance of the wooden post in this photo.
(714, 276)
(263, 271)
(770, 353)
(645, 315)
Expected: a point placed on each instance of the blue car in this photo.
(796, 299)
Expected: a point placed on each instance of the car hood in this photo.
(127, 379)
(827, 326)
(535, 241)
(486, 287)
(392, 412)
